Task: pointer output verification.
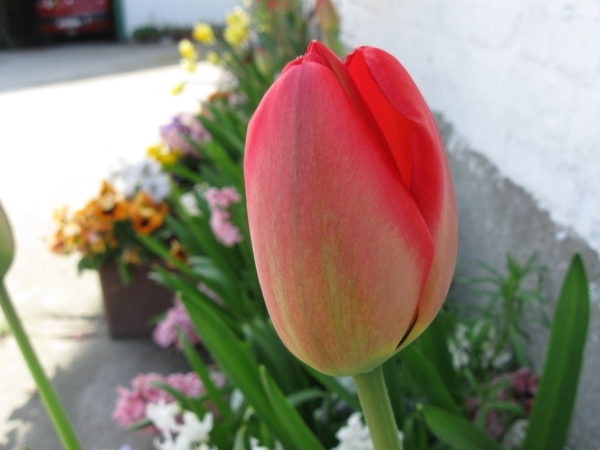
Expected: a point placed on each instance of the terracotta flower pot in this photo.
(129, 309)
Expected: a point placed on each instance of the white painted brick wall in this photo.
(178, 13)
(519, 80)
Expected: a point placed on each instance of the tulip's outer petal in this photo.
(412, 134)
(341, 248)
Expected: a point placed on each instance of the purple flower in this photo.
(131, 403)
(177, 318)
(183, 127)
(218, 201)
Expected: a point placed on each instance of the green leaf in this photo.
(139, 425)
(424, 374)
(184, 172)
(415, 434)
(179, 285)
(391, 371)
(273, 354)
(553, 405)
(456, 431)
(434, 346)
(306, 395)
(196, 363)
(334, 385)
(296, 428)
(235, 361)
(157, 247)
(241, 440)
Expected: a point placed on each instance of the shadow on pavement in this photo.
(88, 391)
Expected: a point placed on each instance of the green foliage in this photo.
(458, 370)
(553, 407)
(455, 430)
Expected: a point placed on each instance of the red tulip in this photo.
(351, 208)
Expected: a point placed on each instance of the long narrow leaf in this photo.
(281, 364)
(335, 386)
(456, 431)
(425, 375)
(291, 420)
(394, 387)
(236, 363)
(553, 405)
(196, 363)
(179, 285)
(435, 348)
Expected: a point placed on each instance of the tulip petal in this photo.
(399, 107)
(342, 250)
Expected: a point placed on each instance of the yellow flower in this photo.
(213, 57)
(187, 50)
(247, 4)
(236, 35)
(188, 64)
(163, 155)
(178, 88)
(238, 17)
(203, 33)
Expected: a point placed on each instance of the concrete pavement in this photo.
(67, 114)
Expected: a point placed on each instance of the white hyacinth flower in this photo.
(355, 435)
(189, 202)
(190, 434)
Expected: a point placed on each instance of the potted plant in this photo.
(130, 203)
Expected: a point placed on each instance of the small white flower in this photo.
(145, 175)
(189, 202)
(163, 416)
(190, 434)
(355, 435)
(255, 444)
(502, 359)
(194, 431)
(157, 187)
(236, 399)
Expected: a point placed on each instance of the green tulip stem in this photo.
(50, 398)
(377, 409)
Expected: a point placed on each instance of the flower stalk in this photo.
(55, 409)
(53, 404)
(377, 409)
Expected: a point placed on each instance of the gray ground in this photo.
(67, 114)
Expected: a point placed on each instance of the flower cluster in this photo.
(219, 201)
(91, 229)
(517, 388)
(237, 31)
(145, 176)
(177, 318)
(479, 341)
(132, 403)
(177, 134)
(355, 435)
(179, 434)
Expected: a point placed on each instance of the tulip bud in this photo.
(7, 244)
(351, 209)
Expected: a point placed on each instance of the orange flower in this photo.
(108, 207)
(146, 216)
(131, 255)
(178, 251)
